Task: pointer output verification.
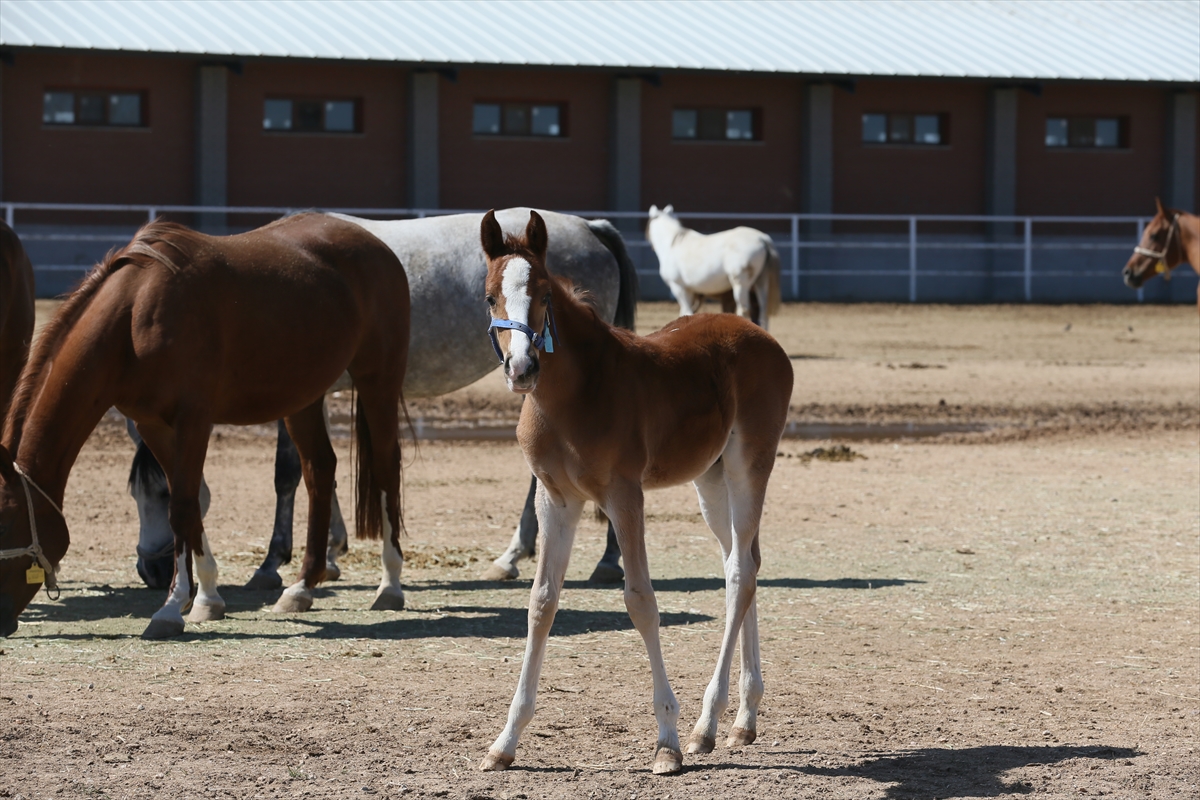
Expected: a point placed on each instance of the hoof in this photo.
(498, 573)
(740, 737)
(388, 600)
(667, 761)
(332, 571)
(292, 600)
(701, 744)
(495, 762)
(163, 629)
(607, 573)
(205, 612)
(264, 580)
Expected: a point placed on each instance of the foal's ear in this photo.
(535, 235)
(653, 211)
(669, 209)
(1158, 204)
(491, 237)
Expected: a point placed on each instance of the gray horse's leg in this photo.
(287, 478)
(156, 542)
(524, 544)
(608, 568)
(279, 552)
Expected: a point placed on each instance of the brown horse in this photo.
(180, 331)
(16, 312)
(1171, 238)
(609, 414)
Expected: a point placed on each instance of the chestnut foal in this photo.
(610, 414)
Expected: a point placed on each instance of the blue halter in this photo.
(541, 341)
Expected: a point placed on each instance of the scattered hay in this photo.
(838, 452)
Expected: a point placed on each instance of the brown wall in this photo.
(910, 179)
(759, 176)
(1082, 182)
(318, 169)
(47, 164)
(492, 172)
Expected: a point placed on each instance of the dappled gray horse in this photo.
(449, 349)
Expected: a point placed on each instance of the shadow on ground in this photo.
(969, 772)
(680, 584)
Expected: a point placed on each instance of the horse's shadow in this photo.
(682, 584)
(966, 772)
(460, 621)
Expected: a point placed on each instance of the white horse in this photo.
(741, 260)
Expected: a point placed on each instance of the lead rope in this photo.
(35, 548)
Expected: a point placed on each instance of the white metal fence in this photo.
(1019, 237)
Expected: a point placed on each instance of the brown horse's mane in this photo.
(139, 251)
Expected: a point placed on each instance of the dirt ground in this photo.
(1003, 613)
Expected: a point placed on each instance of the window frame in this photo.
(757, 128)
(943, 118)
(564, 118)
(78, 92)
(1123, 133)
(296, 99)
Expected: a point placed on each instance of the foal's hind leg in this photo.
(731, 501)
(318, 463)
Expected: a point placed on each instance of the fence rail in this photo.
(797, 242)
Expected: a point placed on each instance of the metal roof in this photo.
(1126, 40)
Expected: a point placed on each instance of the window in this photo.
(919, 129)
(519, 119)
(1098, 132)
(310, 116)
(106, 108)
(715, 124)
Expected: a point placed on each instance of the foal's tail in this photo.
(627, 295)
(773, 268)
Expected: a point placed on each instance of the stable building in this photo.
(1013, 109)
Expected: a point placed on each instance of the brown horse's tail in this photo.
(368, 507)
(773, 269)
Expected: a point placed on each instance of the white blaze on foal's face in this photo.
(515, 288)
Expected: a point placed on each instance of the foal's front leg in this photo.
(625, 508)
(557, 533)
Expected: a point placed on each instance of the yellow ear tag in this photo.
(35, 574)
(1160, 267)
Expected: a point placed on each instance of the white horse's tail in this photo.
(773, 268)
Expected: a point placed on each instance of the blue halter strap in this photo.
(540, 341)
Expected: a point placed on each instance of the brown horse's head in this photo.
(16, 588)
(1160, 250)
(518, 292)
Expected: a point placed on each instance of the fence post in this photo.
(8, 214)
(1141, 226)
(152, 214)
(912, 259)
(1028, 259)
(795, 257)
